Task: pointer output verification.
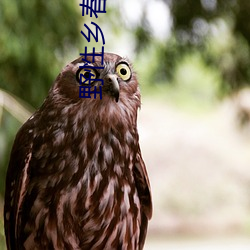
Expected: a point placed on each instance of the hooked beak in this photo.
(113, 85)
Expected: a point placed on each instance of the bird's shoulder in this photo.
(17, 179)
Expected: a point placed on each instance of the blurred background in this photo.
(192, 60)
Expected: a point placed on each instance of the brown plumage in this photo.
(76, 178)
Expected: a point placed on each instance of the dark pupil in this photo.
(123, 71)
(87, 75)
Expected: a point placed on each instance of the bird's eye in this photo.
(123, 71)
(86, 75)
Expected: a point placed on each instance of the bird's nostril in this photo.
(110, 79)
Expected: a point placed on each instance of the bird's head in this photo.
(115, 79)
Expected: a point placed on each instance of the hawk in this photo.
(76, 178)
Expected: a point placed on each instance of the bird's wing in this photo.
(16, 182)
(144, 192)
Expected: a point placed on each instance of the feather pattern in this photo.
(76, 178)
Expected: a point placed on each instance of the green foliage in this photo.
(205, 24)
(230, 55)
(2, 237)
(35, 36)
(193, 85)
(218, 30)
(195, 82)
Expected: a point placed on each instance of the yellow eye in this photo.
(86, 75)
(123, 71)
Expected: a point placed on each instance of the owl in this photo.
(76, 178)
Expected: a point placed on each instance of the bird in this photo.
(76, 178)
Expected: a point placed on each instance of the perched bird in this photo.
(76, 178)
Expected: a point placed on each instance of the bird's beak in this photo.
(114, 86)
